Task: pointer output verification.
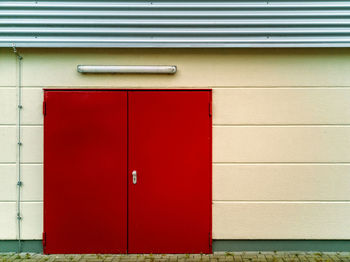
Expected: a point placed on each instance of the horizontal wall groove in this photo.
(23, 163)
(279, 125)
(22, 201)
(280, 163)
(227, 163)
(226, 125)
(281, 87)
(282, 201)
(116, 87)
(22, 125)
(13, 163)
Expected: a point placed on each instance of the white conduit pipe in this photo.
(19, 143)
(127, 69)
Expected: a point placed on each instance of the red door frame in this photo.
(128, 177)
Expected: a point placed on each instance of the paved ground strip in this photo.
(216, 257)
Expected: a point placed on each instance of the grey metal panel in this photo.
(166, 23)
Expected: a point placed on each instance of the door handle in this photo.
(134, 177)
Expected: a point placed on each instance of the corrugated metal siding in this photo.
(165, 23)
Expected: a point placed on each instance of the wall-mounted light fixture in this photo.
(127, 69)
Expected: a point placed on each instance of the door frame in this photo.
(210, 126)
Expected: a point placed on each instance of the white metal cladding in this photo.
(165, 23)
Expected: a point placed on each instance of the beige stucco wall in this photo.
(281, 132)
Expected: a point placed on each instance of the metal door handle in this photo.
(134, 177)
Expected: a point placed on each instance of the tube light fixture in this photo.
(127, 69)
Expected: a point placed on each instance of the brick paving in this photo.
(216, 257)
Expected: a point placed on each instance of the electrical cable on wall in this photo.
(19, 59)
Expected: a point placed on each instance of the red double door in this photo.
(127, 171)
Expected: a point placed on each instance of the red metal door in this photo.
(85, 172)
(169, 199)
